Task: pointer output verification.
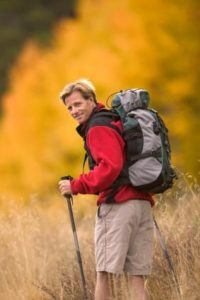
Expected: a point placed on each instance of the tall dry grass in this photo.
(38, 261)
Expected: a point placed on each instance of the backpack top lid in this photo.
(131, 99)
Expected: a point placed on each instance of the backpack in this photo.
(148, 152)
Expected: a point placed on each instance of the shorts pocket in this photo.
(104, 210)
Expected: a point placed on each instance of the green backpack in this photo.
(147, 143)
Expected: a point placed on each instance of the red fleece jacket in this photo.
(107, 149)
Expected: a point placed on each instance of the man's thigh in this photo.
(115, 230)
(140, 251)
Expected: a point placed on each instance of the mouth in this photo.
(78, 117)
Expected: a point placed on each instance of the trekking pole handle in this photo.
(68, 177)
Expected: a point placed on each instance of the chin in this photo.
(80, 121)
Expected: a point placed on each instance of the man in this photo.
(124, 226)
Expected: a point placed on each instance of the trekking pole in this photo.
(69, 199)
(168, 258)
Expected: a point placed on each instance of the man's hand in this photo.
(65, 187)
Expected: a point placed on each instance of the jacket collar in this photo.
(82, 127)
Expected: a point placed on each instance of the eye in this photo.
(77, 104)
(69, 108)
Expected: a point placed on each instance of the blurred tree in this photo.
(21, 20)
(117, 45)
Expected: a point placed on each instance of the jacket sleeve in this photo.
(107, 149)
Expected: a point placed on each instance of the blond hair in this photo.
(84, 86)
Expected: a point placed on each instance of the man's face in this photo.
(79, 108)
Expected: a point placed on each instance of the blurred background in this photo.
(116, 44)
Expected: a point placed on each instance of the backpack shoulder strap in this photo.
(104, 117)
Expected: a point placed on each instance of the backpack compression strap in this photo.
(155, 153)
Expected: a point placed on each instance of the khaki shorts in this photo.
(124, 238)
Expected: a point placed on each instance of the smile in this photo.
(78, 117)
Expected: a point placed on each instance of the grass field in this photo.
(38, 261)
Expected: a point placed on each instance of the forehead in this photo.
(74, 97)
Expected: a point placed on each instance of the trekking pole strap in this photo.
(84, 161)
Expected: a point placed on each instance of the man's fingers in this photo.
(61, 182)
(64, 191)
(65, 187)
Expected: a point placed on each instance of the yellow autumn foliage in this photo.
(117, 44)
